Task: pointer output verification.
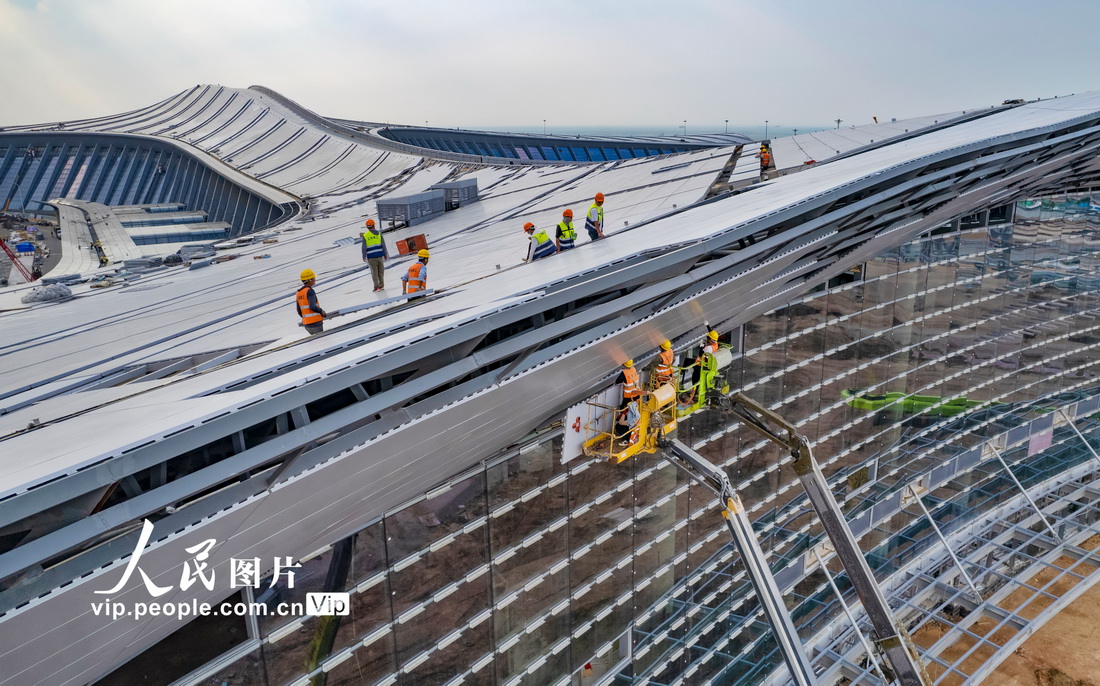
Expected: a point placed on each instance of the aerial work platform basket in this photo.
(651, 418)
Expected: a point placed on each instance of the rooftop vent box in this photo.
(458, 193)
(411, 209)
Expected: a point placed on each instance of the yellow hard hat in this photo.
(713, 335)
(628, 363)
(666, 345)
(422, 254)
(370, 222)
(308, 274)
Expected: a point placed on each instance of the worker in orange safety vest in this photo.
(662, 373)
(306, 303)
(710, 343)
(765, 159)
(417, 278)
(632, 390)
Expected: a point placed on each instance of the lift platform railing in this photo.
(697, 393)
(656, 418)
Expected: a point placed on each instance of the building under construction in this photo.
(917, 303)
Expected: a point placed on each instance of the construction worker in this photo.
(662, 373)
(306, 303)
(710, 343)
(375, 254)
(594, 221)
(566, 234)
(416, 279)
(710, 346)
(632, 390)
(540, 245)
(765, 159)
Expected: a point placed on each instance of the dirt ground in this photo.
(1064, 652)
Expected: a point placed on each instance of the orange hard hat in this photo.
(370, 222)
(599, 197)
(567, 213)
(528, 227)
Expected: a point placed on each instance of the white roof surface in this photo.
(476, 253)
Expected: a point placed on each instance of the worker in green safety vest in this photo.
(374, 254)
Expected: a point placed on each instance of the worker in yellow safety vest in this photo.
(306, 303)
(566, 234)
(539, 246)
(593, 223)
(374, 254)
(662, 373)
(417, 278)
(710, 346)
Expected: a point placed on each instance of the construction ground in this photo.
(1065, 651)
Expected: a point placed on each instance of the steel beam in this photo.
(1073, 425)
(1023, 490)
(946, 545)
(848, 613)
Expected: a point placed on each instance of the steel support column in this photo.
(946, 545)
(1023, 490)
(849, 615)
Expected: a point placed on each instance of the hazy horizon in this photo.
(572, 62)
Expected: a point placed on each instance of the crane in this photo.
(16, 264)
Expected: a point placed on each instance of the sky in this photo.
(570, 62)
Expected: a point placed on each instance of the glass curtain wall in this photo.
(528, 570)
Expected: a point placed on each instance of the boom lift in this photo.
(889, 635)
(16, 264)
(658, 414)
(756, 565)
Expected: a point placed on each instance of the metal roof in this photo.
(679, 263)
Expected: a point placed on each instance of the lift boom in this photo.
(756, 565)
(890, 636)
